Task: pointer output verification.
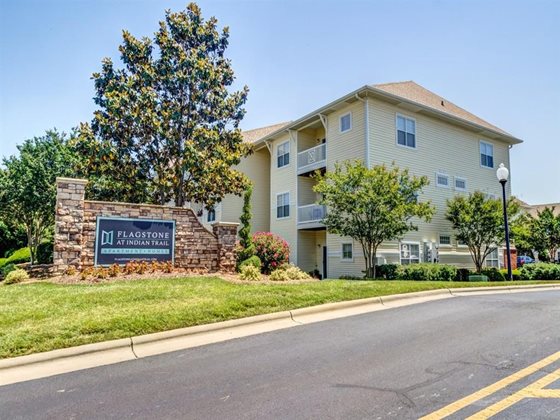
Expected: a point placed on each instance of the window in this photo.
(486, 155)
(346, 122)
(347, 252)
(283, 154)
(406, 132)
(461, 243)
(211, 215)
(460, 184)
(442, 180)
(444, 239)
(283, 205)
(493, 260)
(410, 253)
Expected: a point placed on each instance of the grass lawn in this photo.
(44, 316)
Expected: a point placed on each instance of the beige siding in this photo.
(257, 168)
(284, 180)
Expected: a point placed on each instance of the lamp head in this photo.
(502, 173)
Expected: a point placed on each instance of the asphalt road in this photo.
(400, 363)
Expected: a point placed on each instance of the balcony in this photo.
(311, 216)
(312, 159)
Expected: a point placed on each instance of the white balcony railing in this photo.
(312, 159)
(311, 213)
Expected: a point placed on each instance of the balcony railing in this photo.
(313, 213)
(312, 159)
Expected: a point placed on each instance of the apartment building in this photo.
(401, 123)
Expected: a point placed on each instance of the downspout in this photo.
(366, 123)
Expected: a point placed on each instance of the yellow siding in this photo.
(257, 168)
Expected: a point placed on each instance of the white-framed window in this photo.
(460, 184)
(347, 251)
(282, 205)
(283, 154)
(346, 122)
(211, 216)
(493, 259)
(486, 154)
(410, 253)
(406, 131)
(445, 240)
(442, 180)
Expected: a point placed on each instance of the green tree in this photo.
(478, 222)
(545, 232)
(28, 187)
(168, 127)
(245, 240)
(372, 205)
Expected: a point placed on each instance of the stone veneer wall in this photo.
(75, 223)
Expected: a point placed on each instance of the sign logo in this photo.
(106, 237)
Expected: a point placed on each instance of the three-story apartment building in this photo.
(401, 123)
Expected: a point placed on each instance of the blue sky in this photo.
(498, 59)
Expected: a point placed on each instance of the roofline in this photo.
(379, 92)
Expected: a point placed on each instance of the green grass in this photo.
(44, 316)
(19, 256)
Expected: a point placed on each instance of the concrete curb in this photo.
(55, 362)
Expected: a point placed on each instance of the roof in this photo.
(534, 209)
(407, 94)
(416, 93)
(251, 136)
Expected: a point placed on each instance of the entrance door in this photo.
(324, 262)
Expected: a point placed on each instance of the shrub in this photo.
(272, 250)
(70, 271)
(387, 271)
(540, 271)
(463, 274)
(16, 276)
(514, 273)
(114, 270)
(7, 269)
(289, 272)
(350, 277)
(254, 261)
(427, 272)
(45, 253)
(22, 255)
(493, 274)
(250, 272)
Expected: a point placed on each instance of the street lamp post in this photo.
(502, 173)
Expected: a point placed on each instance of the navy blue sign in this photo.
(120, 240)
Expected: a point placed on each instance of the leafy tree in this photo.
(545, 232)
(372, 205)
(478, 222)
(12, 235)
(168, 127)
(27, 185)
(521, 234)
(245, 241)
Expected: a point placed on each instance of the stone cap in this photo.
(60, 179)
(227, 224)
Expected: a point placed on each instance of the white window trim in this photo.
(493, 149)
(438, 174)
(498, 259)
(342, 252)
(289, 153)
(340, 122)
(455, 183)
(397, 115)
(449, 245)
(410, 243)
(276, 206)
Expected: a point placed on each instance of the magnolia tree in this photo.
(479, 223)
(167, 127)
(372, 205)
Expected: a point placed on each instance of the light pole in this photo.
(502, 173)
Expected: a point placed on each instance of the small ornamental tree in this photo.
(247, 248)
(272, 250)
(478, 222)
(167, 124)
(545, 232)
(372, 205)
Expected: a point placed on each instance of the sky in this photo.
(498, 59)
